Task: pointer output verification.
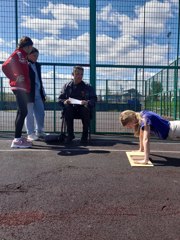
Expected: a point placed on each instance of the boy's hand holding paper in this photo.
(75, 101)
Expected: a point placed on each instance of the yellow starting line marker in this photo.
(134, 157)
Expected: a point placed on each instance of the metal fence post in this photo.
(16, 20)
(93, 52)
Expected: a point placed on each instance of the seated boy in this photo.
(79, 90)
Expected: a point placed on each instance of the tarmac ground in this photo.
(57, 192)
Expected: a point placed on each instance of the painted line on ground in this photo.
(80, 149)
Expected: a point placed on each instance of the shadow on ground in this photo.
(165, 161)
(93, 142)
(80, 151)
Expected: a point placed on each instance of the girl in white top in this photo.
(37, 98)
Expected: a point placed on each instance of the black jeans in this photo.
(21, 100)
(76, 111)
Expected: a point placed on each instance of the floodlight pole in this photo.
(144, 32)
(167, 84)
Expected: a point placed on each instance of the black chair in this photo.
(62, 136)
(55, 138)
(76, 116)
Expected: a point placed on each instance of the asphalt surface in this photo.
(56, 192)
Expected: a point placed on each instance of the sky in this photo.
(133, 32)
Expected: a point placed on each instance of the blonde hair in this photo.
(129, 116)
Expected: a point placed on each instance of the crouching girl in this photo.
(146, 123)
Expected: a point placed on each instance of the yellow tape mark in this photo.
(135, 156)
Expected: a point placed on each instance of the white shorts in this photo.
(174, 131)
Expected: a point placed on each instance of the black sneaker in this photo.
(69, 139)
(84, 141)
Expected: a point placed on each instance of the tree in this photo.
(156, 88)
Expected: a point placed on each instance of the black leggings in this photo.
(21, 100)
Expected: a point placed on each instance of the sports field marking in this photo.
(135, 156)
(80, 149)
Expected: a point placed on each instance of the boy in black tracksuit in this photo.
(84, 92)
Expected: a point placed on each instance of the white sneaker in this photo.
(21, 143)
(41, 135)
(32, 137)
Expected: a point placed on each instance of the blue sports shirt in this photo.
(158, 125)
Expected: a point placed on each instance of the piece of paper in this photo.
(75, 101)
(135, 156)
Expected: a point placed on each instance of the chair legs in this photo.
(68, 139)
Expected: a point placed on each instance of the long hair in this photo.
(129, 116)
(24, 42)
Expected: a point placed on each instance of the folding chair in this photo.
(57, 138)
(64, 125)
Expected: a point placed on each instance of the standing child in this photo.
(36, 99)
(17, 70)
(146, 123)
